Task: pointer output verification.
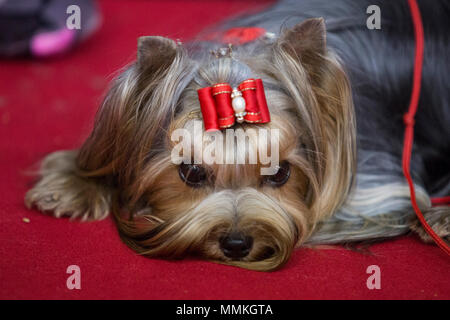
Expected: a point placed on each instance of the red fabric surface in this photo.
(50, 105)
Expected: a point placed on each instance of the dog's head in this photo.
(227, 212)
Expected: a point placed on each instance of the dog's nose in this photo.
(236, 245)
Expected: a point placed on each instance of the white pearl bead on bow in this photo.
(238, 104)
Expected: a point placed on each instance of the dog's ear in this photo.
(306, 43)
(314, 78)
(154, 52)
(306, 40)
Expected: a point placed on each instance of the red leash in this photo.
(409, 123)
(440, 201)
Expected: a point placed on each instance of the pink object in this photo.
(51, 43)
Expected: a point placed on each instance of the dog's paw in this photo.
(68, 202)
(439, 220)
(62, 192)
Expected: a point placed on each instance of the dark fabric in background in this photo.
(50, 105)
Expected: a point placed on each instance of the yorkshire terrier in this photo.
(333, 90)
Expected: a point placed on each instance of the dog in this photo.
(336, 92)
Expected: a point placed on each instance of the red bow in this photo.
(221, 106)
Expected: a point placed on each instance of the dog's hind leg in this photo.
(379, 205)
(439, 220)
(374, 210)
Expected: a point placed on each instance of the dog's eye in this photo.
(193, 175)
(281, 177)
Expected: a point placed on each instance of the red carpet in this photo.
(49, 105)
